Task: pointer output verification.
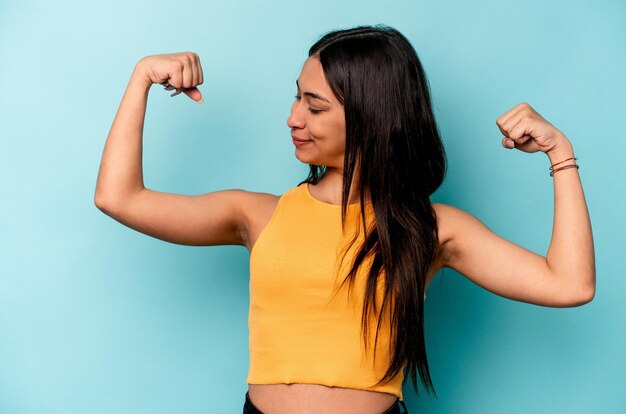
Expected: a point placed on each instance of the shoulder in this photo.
(255, 203)
(256, 209)
(445, 214)
(450, 216)
(447, 219)
(245, 203)
(452, 222)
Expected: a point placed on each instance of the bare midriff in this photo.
(318, 399)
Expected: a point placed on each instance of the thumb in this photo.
(508, 143)
(195, 94)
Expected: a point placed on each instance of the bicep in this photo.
(209, 219)
(499, 265)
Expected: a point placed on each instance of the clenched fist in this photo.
(180, 71)
(523, 128)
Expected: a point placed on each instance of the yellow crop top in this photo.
(298, 334)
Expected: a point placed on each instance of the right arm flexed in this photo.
(208, 219)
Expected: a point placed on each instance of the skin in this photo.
(565, 277)
(318, 117)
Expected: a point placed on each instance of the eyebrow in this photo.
(312, 95)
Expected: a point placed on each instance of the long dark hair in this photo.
(393, 144)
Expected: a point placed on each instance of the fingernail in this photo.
(201, 100)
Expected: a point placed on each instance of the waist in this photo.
(318, 398)
(318, 347)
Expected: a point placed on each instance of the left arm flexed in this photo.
(566, 276)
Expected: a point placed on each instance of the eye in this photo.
(313, 111)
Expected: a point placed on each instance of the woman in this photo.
(339, 276)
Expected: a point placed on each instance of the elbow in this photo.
(101, 196)
(113, 202)
(582, 296)
(582, 299)
(98, 200)
(101, 202)
(588, 295)
(105, 204)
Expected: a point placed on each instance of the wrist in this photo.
(562, 150)
(139, 76)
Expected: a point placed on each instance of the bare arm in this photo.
(207, 219)
(566, 275)
(571, 255)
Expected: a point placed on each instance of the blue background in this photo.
(96, 317)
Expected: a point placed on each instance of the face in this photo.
(317, 119)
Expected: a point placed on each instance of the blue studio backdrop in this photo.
(98, 318)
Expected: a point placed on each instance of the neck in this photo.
(331, 185)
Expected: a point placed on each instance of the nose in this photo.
(295, 120)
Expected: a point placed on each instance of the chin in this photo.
(305, 160)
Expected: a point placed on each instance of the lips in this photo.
(298, 142)
(295, 138)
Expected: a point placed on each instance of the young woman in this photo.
(340, 263)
